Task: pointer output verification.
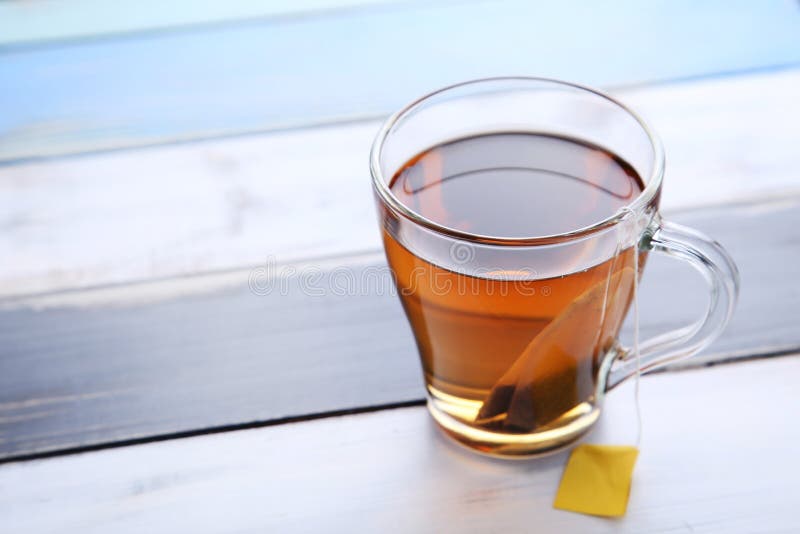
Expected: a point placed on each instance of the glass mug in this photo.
(518, 334)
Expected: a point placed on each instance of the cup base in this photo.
(510, 446)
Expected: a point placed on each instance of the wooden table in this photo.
(155, 168)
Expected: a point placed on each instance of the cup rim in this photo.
(637, 205)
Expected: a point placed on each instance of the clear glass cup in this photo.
(541, 106)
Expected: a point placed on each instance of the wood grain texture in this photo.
(272, 74)
(718, 456)
(134, 361)
(187, 209)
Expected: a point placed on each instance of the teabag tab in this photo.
(597, 480)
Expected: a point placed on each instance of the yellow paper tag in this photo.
(597, 480)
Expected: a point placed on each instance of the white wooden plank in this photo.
(183, 209)
(38, 21)
(719, 455)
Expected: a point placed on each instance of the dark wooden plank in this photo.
(359, 63)
(129, 362)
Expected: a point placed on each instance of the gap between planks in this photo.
(413, 403)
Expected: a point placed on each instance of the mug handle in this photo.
(717, 268)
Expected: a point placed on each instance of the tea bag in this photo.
(597, 478)
(549, 378)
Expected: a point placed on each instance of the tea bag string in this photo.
(636, 355)
(632, 229)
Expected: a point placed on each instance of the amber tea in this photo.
(509, 352)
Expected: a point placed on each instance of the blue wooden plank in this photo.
(38, 21)
(188, 85)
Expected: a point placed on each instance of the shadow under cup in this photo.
(518, 335)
